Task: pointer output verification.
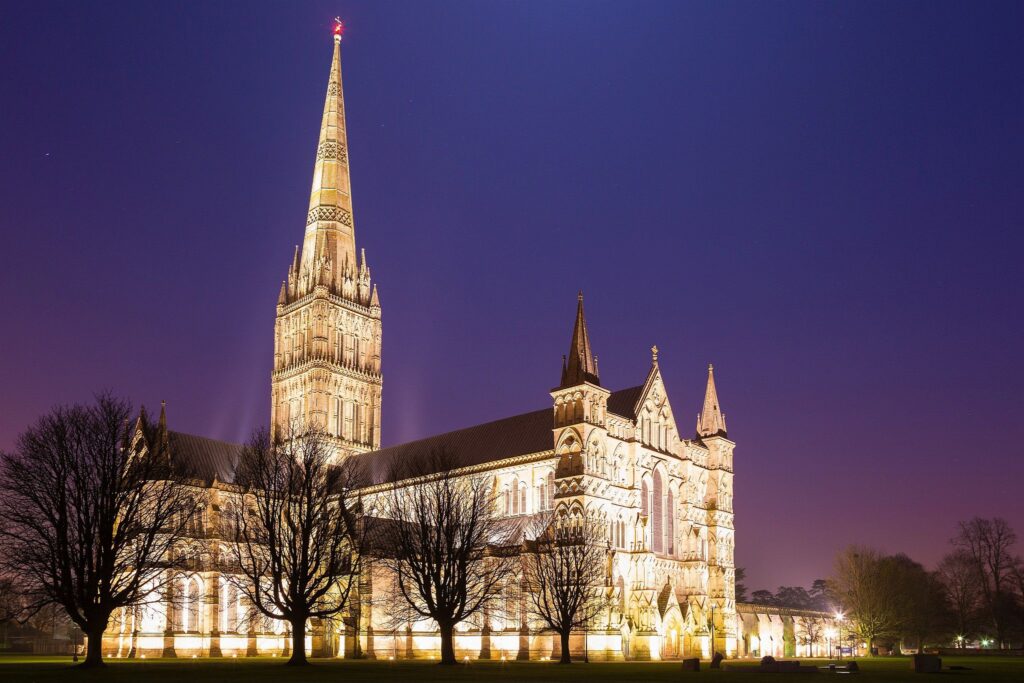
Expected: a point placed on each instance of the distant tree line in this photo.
(973, 597)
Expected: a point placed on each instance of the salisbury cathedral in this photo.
(661, 488)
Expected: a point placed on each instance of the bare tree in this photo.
(866, 585)
(811, 633)
(565, 575)
(298, 532)
(90, 510)
(988, 542)
(959, 576)
(448, 552)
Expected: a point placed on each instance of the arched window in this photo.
(658, 513)
(551, 490)
(190, 609)
(335, 427)
(508, 501)
(670, 523)
(229, 608)
(522, 497)
(645, 502)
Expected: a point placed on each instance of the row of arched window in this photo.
(658, 504)
(517, 496)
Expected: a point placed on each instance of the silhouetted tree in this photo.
(565, 575)
(793, 597)
(762, 597)
(299, 539)
(741, 585)
(867, 586)
(821, 599)
(442, 541)
(989, 543)
(90, 509)
(921, 601)
(959, 576)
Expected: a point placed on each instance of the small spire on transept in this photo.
(161, 430)
(580, 367)
(282, 297)
(711, 421)
(374, 298)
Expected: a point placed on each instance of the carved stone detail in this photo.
(330, 149)
(329, 213)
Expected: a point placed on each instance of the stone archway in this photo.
(673, 634)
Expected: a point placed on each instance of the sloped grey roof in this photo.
(623, 402)
(509, 437)
(506, 438)
(204, 458)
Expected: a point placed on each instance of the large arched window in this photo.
(229, 608)
(190, 608)
(670, 523)
(658, 513)
(522, 497)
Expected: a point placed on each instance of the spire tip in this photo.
(339, 28)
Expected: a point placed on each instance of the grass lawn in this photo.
(14, 669)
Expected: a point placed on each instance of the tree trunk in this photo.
(298, 657)
(448, 644)
(566, 658)
(94, 647)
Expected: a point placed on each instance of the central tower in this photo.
(327, 335)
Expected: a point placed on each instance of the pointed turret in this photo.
(711, 421)
(580, 367)
(374, 298)
(329, 227)
(282, 297)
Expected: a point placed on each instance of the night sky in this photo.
(825, 200)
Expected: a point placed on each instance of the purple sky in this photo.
(823, 199)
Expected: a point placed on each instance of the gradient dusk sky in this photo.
(825, 200)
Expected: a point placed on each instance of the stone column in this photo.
(485, 639)
(524, 644)
(409, 654)
(134, 645)
(250, 646)
(370, 654)
(213, 613)
(168, 650)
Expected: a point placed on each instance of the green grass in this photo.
(15, 669)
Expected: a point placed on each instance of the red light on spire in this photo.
(339, 27)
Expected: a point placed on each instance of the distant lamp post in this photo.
(960, 642)
(839, 619)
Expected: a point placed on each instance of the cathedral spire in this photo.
(711, 421)
(580, 367)
(330, 233)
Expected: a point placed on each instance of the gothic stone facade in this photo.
(664, 498)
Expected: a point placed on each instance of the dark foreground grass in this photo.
(46, 669)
